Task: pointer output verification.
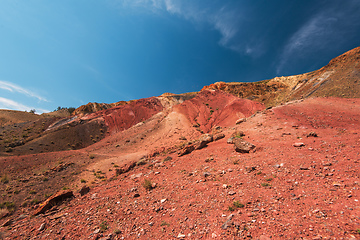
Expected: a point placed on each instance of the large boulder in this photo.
(204, 140)
(242, 146)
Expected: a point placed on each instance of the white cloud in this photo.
(226, 19)
(15, 88)
(323, 32)
(10, 104)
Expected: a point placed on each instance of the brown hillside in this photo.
(340, 78)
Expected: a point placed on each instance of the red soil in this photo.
(216, 108)
(309, 192)
(124, 116)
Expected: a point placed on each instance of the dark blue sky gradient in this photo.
(69, 53)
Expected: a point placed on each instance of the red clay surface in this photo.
(279, 191)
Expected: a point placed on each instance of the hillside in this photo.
(276, 159)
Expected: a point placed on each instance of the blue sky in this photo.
(71, 52)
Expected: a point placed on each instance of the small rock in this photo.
(84, 190)
(242, 146)
(312, 134)
(219, 136)
(232, 193)
(134, 176)
(304, 168)
(163, 200)
(186, 150)
(228, 222)
(206, 174)
(224, 186)
(42, 227)
(168, 158)
(298, 144)
(230, 140)
(181, 235)
(136, 195)
(241, 120)
(7, 223)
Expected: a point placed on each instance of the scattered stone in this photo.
(142, 161)
(55, 199)
(232, 193)
(203, 141)
(163, 200)
(230, 140)
(181, 235)
(61, 167)
(136, 175)
(186, 150)
(168, 158)
(84, 190)
(299, 144)
(42, 227)
(136, 195)
(311, 134)
(219, 136)
(7, 223)
(225, 186)
(4, 213)
(206, 174)
(304, 168)
(250, 169)
(238, 134)
(228, 222)
(240, 120)
(243, 146)
(125, 168)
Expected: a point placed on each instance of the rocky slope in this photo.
(190, 166)
(340, 78)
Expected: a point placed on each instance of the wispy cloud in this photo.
(322, 32)
(224, 18)
(15, 88)
(10, 104)
(6, 103)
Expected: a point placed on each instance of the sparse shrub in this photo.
(147, 184)
(103, 226)
(34, 201)
(237, 204)
(268, 179)
(259, 173)
(91, 156)
(265, 184)
(117, 231)
(32, 192)
(4, 179)
(164, 223)
(8, 205)
(65, 188)
(45, 179)
(83, 181)
(231, 208)
(236, 161)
